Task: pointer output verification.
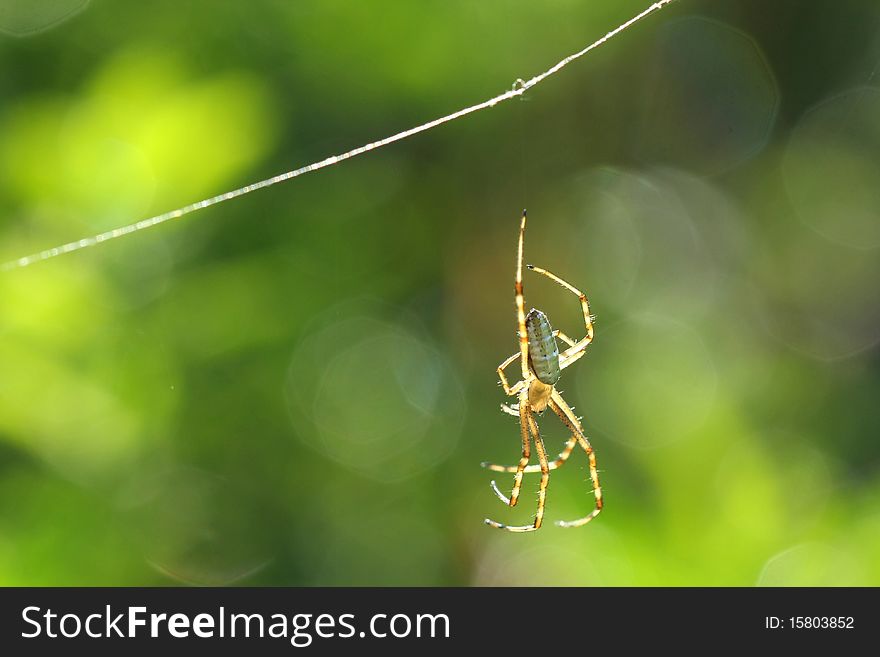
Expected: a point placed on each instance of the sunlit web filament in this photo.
(518, 89)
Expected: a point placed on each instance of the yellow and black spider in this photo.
(542, 366)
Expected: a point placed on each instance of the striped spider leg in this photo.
(541, 364)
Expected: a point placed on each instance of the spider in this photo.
(542, 366)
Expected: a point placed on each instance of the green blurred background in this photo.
(298, 387)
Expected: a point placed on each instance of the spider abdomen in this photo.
(543, 350)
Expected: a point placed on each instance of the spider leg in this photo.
(504, 383)
(562, 336)
(521, 304)
(529, 424)
(575, 350)
(511, 410)
(569, 419)
(562, 458)
(524, 414)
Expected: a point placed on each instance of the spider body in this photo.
(541, 365)
(543, 350)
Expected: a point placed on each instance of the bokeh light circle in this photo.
(192, 526)
(374, 395)
(812, 564)
(831, 168)
(23, 18)
(652, 383)
(818, 297)
(711, 99)
(634, 245)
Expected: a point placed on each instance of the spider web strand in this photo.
(519, 88)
